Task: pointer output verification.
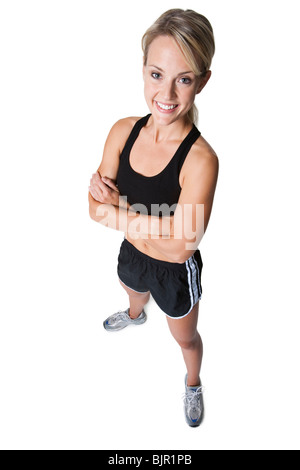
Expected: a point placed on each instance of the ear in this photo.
(203, 81)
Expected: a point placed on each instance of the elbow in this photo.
(182, 258)
(92, 213)
(184, 251)
(180, 255)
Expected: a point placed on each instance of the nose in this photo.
(168, 91)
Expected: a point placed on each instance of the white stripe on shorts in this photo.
(193, 279)
(198, 278)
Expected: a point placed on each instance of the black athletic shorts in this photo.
(175, 287)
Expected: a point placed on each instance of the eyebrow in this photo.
(161, 70)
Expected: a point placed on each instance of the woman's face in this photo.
(170, 84)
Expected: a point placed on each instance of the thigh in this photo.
(176, 288)
(134, 293)
(184, 329)
(131, 269)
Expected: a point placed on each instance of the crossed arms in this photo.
(176, 237)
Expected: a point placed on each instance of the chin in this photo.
(167, 119)
(163, 118)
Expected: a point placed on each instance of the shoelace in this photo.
(191, 397)
(120, 316)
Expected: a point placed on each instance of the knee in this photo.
(189, 343)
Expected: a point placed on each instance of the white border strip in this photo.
(138, 292)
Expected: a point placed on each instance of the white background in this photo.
(69, 70)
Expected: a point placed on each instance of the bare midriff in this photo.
(148, 250)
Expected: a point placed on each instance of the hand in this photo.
(104, 190)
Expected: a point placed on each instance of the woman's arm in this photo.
(175, 237)
(193, 210)
(128, 221)
(105, 178)
(106, 206)
(104, 190)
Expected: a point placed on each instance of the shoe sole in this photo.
(112, 330)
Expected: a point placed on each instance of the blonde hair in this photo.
(194, 35)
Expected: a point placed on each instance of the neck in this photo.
(175, 130)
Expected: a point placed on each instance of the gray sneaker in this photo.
(120, 320)
(193, 405)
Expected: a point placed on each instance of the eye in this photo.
(185, 80)
(155, 75)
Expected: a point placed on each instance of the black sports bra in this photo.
(153, 195)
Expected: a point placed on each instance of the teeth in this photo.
(163, 106)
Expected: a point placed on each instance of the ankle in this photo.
(133, 315)
(193, 383)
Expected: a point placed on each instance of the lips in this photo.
(163, 107)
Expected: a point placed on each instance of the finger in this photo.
(92, 192)
(110, 183)
(95, 178)
(104, 187)
(96, 193)
(99, 186)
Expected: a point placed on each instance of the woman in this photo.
(168, 173)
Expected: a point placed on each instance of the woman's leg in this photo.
(137, 301)
(185, 332)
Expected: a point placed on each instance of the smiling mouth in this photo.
(166, 107)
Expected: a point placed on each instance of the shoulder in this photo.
(114, 145)
(120, 131)
(202, 159)
(126, 123)
(200, 174)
